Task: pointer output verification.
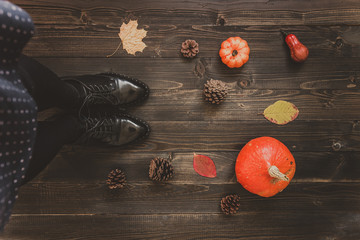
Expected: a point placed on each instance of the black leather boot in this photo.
(115, 129)
(108, 88)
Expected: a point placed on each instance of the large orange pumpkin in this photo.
(265, 166)
(234, 52)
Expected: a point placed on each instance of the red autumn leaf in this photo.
(204, 166)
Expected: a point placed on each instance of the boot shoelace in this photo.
(96, 92)
(99, 128)
(101, 93)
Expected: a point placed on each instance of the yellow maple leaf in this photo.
(281, 112)
(131, 38)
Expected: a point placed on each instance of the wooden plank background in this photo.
(69, 200)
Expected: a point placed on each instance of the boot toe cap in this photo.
(130, 130)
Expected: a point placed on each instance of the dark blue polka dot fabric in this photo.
(17, 108)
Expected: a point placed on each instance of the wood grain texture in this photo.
(69, 199)
(232, 135)
(99, 13)
(174, 74)
(68, 166)
(250, 104)
(78, 29)
(196, 5)
(195, 198)
(331, 225)
(165, 40)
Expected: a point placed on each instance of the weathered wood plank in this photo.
(66, 36)
(248, 105)
(198, 5)
(273, 225)
(189, 105)
(109, 12)
(68, 166)
(189, 136)
(152, 198)
(165, 40)
(259, 73)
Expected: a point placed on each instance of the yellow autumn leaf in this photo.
(131, 38)
(281, 112)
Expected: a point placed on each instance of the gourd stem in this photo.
(284, 33)
(275, 173)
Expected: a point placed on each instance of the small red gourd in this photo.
(265, 166)
(298, 51)
(234, 52)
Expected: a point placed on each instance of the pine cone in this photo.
(230, 204)
(116, 179)
(189, 48)
(215, 91)
(160, 169)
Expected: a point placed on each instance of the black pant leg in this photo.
(47, 89)
(51, 136)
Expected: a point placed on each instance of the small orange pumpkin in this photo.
(234, 52)
(265, 166)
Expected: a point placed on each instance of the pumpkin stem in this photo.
(234, 53)
(275, 173)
